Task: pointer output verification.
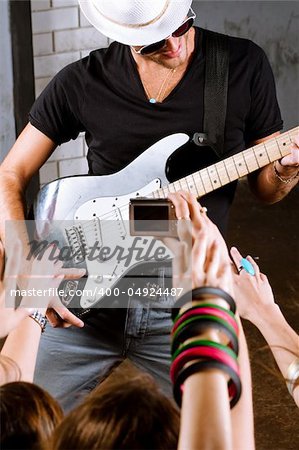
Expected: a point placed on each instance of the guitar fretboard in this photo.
(230, 169)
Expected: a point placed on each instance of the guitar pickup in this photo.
(117, 216)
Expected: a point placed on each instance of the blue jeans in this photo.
(72, 361)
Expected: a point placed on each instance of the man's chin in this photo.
(169, 63)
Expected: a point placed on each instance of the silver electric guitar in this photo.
(90, 214)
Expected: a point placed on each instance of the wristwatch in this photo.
(40, 319)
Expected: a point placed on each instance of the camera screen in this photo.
(151, 218)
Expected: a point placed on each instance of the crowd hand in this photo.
(200, 253)
(45, 275)
(253, 293)
(10, 317)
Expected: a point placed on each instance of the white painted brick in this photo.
(48, 172)
(38, 5)
(55, 19)
(61, 3)
(42, 44)
(71, 149)
(84, 53)
(40, 84)
(82, 38)
(47, 66)
(85, 148)
(76, 166)
(83, 21)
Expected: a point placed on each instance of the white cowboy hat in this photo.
(135, 22)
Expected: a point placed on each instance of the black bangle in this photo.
(197, 327)
(206, 365)
(196, 294)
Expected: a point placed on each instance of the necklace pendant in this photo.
(152, 100)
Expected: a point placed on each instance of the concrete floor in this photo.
(271, 233)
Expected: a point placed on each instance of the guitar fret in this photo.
(251, 160)
(171, 187)
(213, 175)
(265, 146)
(164, 190)
(244, 158)
(231, 169)
(283, 142)
(240, 165)
(184, 184)
(274, 151)
(177, 186)
(261, 155)
(206, 181)
(198, 181)
(280, 154)
(222, 172)
(194, 182)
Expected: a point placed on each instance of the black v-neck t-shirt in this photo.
(102, 95)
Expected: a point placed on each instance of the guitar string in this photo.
(229, 164)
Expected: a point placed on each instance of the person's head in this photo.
(156, 29)
(123, 413)
(28, 416)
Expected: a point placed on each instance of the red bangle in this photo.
(205, 352)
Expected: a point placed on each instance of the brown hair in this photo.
(28, 416)
(121, 414)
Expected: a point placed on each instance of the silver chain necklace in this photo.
(162, 89)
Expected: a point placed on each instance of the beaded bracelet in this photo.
(205, 352)
(200, 366)
(198, 294)
(195, 326)
(284, 180)
(210, 309)
(39, 318)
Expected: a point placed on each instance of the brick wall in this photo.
(61, 35)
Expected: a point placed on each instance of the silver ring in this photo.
(183, 217)
(203, 210)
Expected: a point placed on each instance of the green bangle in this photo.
(196, 326)
(204, 342)
(203, 317)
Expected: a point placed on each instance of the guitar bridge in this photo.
(82, 237)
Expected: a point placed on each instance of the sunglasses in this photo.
(152, 48)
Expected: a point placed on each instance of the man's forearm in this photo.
(12, 204)
(273, 182)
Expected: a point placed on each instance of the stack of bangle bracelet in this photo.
(192, 356)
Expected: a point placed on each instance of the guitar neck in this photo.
(230, 169)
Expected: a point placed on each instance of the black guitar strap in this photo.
(215, 91)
